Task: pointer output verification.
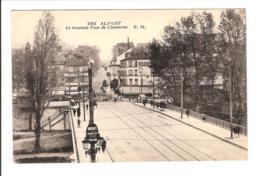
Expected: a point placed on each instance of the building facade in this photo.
(135, 75)
(76, 75)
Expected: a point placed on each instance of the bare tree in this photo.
(39, 62)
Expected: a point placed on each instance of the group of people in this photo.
(101, 144)
(75, 106)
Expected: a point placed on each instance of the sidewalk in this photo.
(211, 129)
(80, 133)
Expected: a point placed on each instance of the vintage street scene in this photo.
(93, 86)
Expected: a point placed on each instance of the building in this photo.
(76, 75)
(114, 67)
(135, 74)
(120, 48)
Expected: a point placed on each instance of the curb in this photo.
(211, 134)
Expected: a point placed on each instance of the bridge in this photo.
(135, 133)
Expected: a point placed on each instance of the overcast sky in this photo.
(24, 22)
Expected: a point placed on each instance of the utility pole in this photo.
(91, 110)
(181, 93)
(141, 82)
(230, 101)
(83, 94)
(130, 83)
(69, 82)
(78, 86)
(153, 87)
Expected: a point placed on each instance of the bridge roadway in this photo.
(135, 134)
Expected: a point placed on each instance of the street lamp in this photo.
(230, 97)
(141, 74)
(92, 141)
(181, 93)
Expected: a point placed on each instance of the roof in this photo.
(73, 61)
(139, 56)
(123, 55)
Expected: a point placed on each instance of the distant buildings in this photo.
(132, 72)
(75, 74)
(135, 75)
(120, 48)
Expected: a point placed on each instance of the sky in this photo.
(154, 21)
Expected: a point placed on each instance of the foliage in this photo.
(90, 53)
(114, 84)
(193, 51)
(39, 65)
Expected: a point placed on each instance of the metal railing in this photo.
(207, 118)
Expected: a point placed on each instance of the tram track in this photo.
(168, 140)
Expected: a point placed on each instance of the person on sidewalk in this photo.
(87, 106)
(103, 145)
(78, 123)
(187, 113)
(74, 111)
(78, 111)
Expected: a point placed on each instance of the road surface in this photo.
(135, 134)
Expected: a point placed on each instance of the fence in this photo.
(207, 118)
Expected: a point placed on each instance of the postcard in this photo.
(151, 85)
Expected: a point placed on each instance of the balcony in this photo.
(75, 74)
(76, 84)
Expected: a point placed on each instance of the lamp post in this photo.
(141, 74)
(153, 88)
(230, 100)
(181, 93)
(83, 94)
(93, 141)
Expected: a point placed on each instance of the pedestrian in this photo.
(103, 145)
(74, 111)
(187, 113)
(78, 123)
(78, 112)
(115, 99)
(87, 106)
(144, 102)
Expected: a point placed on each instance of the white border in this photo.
(226, 168)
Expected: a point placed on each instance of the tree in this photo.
(38, 67)
(114, 84)
(18, 62)
(90, 52)
(209, 51)
(233, 39)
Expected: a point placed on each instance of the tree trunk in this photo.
(30, 121)
(37, 131)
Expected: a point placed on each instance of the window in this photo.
(130, 64)
(130, 72)
(130, 81)
(135, 72)
(70, 69)
(136, 81)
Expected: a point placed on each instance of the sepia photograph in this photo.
(125, 85)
